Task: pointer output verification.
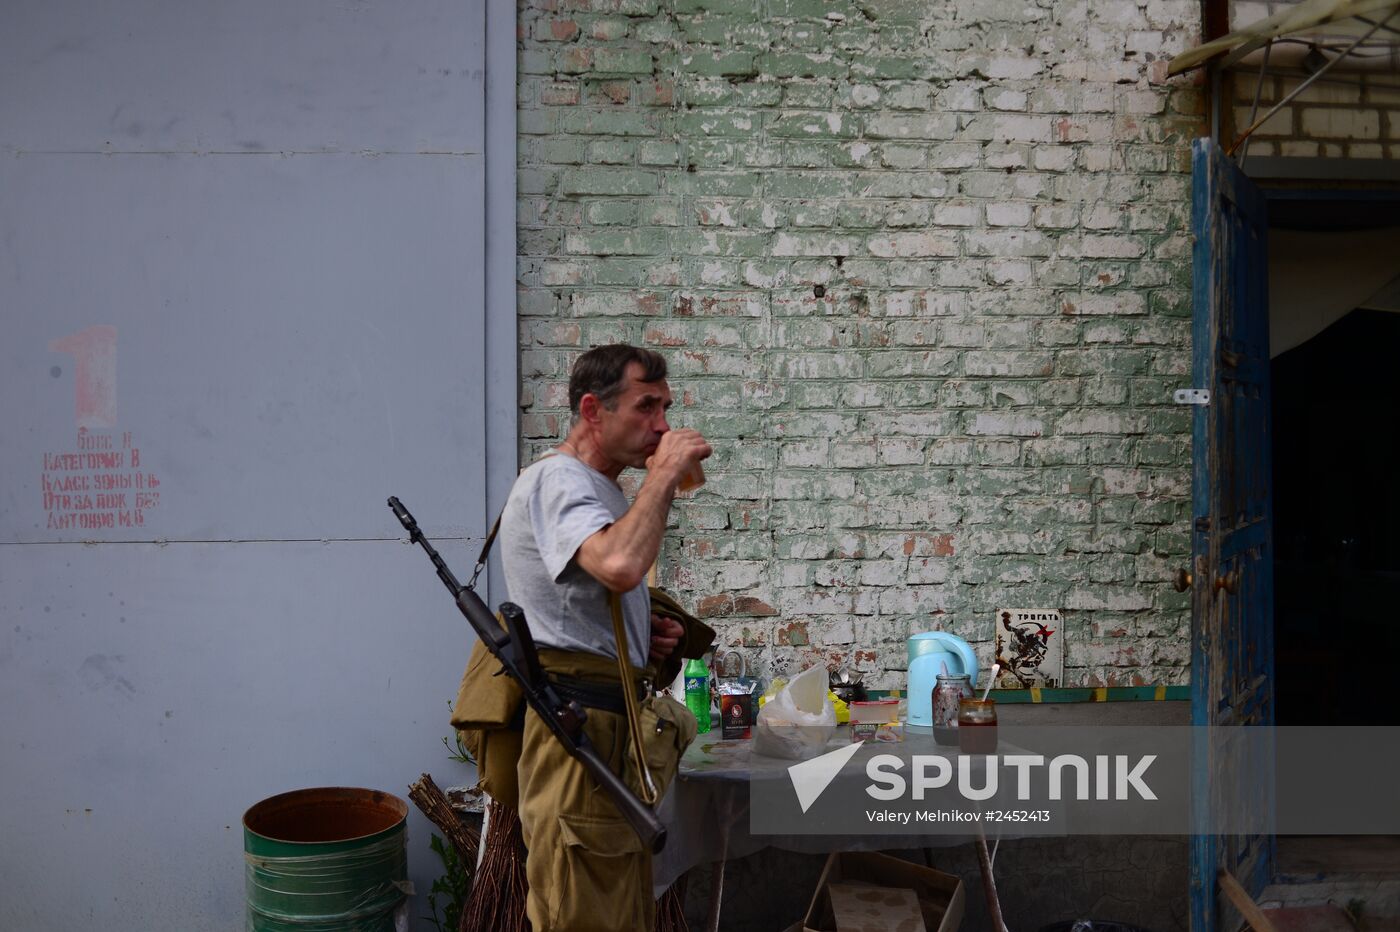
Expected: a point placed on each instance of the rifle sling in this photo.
(648, 794)
(631, 703)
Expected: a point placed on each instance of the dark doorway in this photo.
(1336, 463)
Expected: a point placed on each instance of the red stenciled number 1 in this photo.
(94, 352)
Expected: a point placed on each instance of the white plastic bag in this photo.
(799, 721)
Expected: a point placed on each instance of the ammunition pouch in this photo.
(489, 715)
(667, 727)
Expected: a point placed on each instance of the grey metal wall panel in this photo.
(502, 369)
(295, 339)
(254, 76)
(286, 333)
(149, 694)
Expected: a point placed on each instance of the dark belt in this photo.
(593, 695)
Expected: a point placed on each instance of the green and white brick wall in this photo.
(922, 272)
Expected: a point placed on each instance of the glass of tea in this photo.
(693, 478)
(977, 726)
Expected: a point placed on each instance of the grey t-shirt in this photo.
(555, 505)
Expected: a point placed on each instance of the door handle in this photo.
(1182, 580)
(1230, 582)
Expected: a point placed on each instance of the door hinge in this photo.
(1191, 396)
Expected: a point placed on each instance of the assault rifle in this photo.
(515, 649)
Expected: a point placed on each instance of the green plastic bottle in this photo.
(697, 692)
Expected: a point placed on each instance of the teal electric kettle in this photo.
(930, 654)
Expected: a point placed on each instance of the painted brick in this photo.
(559, 94)
(803, 65)
(922, 277)
(1017, 425)
(797, 244)
(956, 215)
(905, 245)
(1008, 214)
(616, 303)
(808, 125)
(810, 488)
(1008, 244)
(562, 150)
(611, 60)
(658, 152)
(720, 64)
(915, 424)
(1001, 98)
(612, 151)
(1118, 247)
(887, 364)
(718, 242)
(1006, 154)
(911, 126)
(913, 96)
(618, 243)
(1116, 304)
(1006, 127)
(1007, 364)
(853, 455)
(605, 213)
(807, 95)
(900, 452)
(959, 96)
(608, 181)
(1012, 66)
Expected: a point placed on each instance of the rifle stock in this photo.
(515, 649)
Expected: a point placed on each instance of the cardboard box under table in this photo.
(940, 896)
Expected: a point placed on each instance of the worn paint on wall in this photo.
(94, 352)
(921, 271)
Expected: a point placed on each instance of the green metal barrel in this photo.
(330, 859)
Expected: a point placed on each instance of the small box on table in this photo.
(876, 720)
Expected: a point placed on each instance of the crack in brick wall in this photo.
(922, 274)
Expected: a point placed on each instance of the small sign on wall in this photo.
(1030, 648)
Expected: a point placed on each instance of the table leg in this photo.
(717, 874)
(989, 884)
(716, 896)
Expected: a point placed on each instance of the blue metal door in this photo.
(1232, 540)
